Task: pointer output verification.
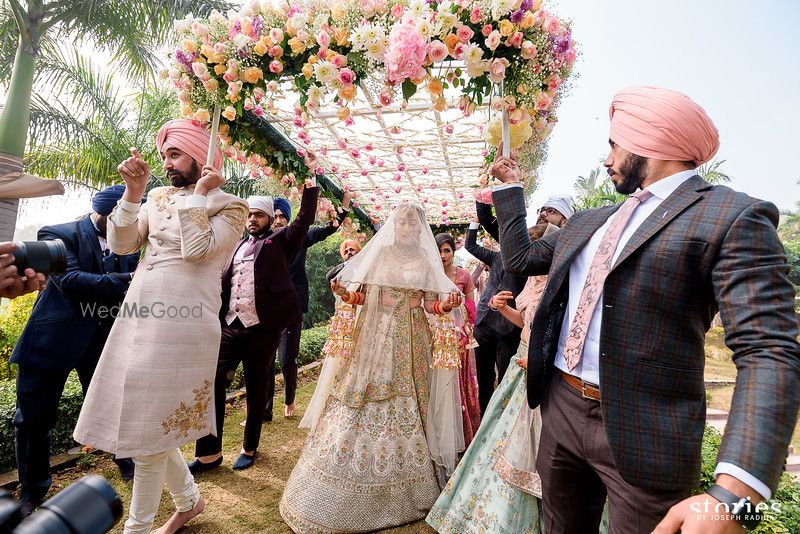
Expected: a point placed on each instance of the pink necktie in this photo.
(593, 288)
(251, 246)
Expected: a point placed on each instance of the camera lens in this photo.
(89, 506)
(46, 257)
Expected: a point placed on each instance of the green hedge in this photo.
(787, 521)
(61, 437)
(13, 316)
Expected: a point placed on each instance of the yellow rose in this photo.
(224, 129)
(297, 46)
(330, 54)
(229, 113)
(435, 87)
(202, 115)
(307, 70)
(342, 37)
(337, 12)
(260, 48)
(189, 45)
(347, 92)
(252, 74)
(233, 98)
(506, 28)
(220, 68)
(313, 59)
(527, 20)
(207, 51)
(343, 113)
(520, 133)
(220, 58)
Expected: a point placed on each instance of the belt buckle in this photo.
(583, 392)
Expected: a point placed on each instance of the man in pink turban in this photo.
(617, 343)
(153, 388)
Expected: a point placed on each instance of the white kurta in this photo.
(153, 388)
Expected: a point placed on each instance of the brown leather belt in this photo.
(587, 390)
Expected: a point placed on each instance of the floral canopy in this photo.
(401, 101)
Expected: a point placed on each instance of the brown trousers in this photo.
(578, 472)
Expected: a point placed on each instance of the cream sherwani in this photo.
(154, 384)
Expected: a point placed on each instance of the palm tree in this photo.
(32, 31)
(711, 172)
(595, 190)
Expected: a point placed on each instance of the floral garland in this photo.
(328, 48)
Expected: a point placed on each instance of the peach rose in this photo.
(347, 92)
(493, 40)
(260, 48)
(435, 87)
(515, 40)
(229, 113)
(506, 28)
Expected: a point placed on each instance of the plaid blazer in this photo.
(705, 249)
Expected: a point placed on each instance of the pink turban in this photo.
(193, 140)
(662, 124)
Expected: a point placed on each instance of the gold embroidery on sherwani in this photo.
(198, 216)
(161, 196)
(235, 216)
(192, 416)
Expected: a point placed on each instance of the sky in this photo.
(739, 60)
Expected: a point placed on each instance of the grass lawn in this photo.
(236, 502)
(247, 501)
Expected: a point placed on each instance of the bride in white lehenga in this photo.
(385, 418)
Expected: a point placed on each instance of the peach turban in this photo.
(193, 140)
(662, 124)
(348, 243)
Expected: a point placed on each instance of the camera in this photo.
(46, 257)
(88, 506)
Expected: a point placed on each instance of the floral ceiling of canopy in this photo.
(408, 152)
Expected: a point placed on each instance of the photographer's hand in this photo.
(12, 285)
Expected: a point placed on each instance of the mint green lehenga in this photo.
(495, 488)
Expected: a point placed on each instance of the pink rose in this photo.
(543, 102)
(571, 55)
(497, 70)
(323, 39)
(484, 196)
(346, 76)
(424, 170)
(553, 81)
(323, 150)
(397, 177)
(275, 35)
(464, 34)
(380, 163)
(275, 66)
(343, 144)
(529, 50)
(458, 50)
(385, 98)
(397, 189)
(334, 169)
(365, 172)
(355, 153)
(486, 30)
(399, 150)
(552, 25)
(493, 40)
(437, 52)
(475, 15)
(515, 40)
(444, 203)
(301, 152)
(248, 104)
(368, 147)
(349, 121)
(448, 128)
(372, 160)
(276, 51)
(401, 167)
(339, 61)
(397, 11)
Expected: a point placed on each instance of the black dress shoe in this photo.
(196, 466)
(243, 462)
(126, 468)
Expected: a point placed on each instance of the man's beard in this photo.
(633, 172)
(179, 179)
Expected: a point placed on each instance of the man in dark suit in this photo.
(497, 337)
(258, 302)
(289, 347)
(67, 330)
(617, 343)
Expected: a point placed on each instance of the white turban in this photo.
(261, 203)
(561, 203)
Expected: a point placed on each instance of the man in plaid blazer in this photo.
(623, 414)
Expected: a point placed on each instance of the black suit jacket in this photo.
(297, 269)
(499, 278)
(705, 248)
(276, 300)
(66, 314)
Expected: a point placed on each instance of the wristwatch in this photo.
(742, 509)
